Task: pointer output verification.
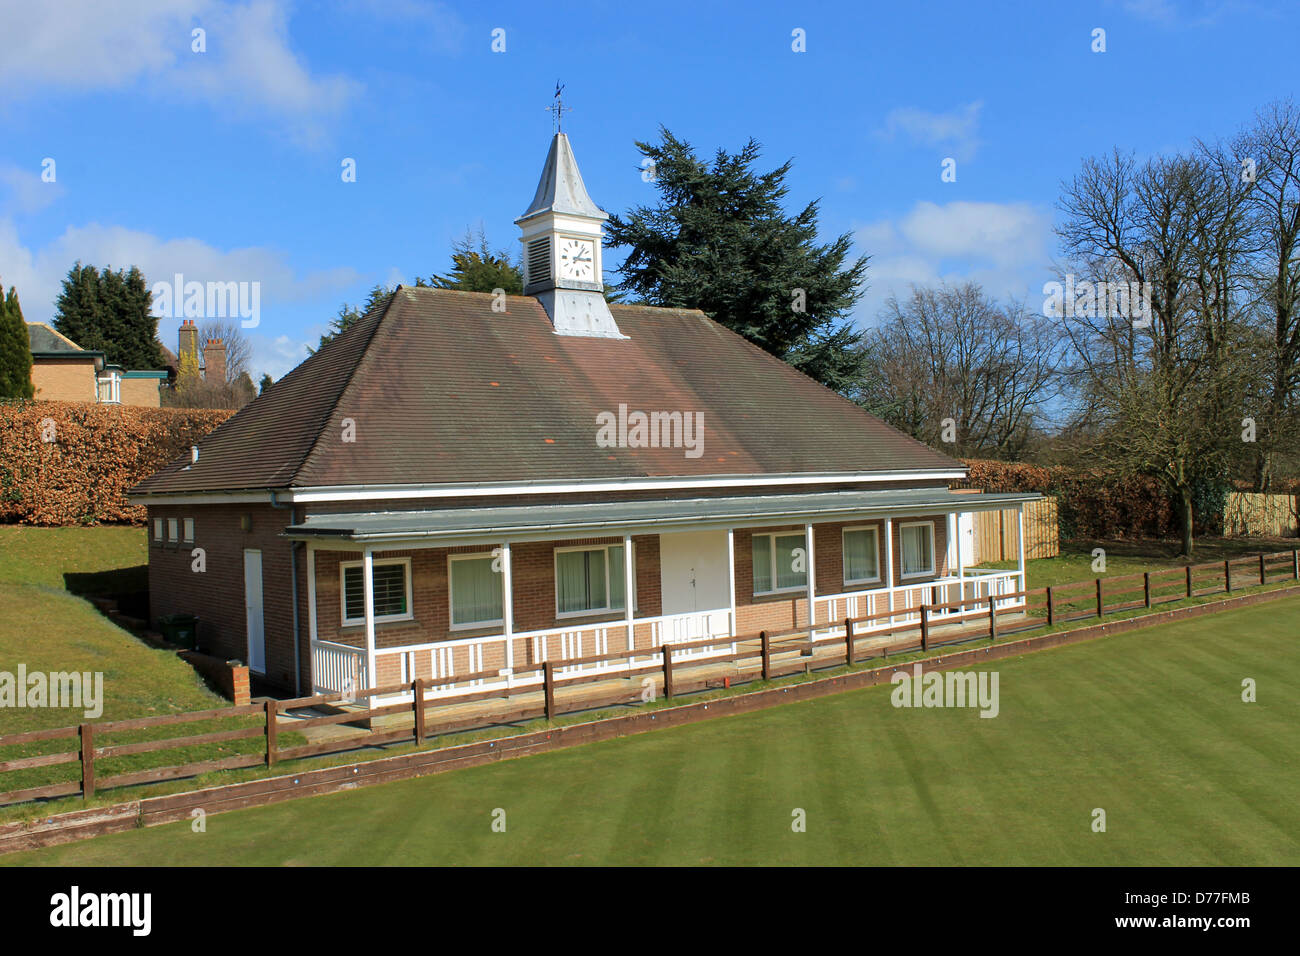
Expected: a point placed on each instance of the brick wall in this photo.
(64, 380)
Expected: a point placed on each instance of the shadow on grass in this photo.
(130, 586)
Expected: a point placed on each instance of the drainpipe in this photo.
(293, 572)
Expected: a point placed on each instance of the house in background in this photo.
(465, 483)
(62, 371)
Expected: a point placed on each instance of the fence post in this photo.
(272, 748)
(925, 627)
(1189, 580)
(668, 669)
(848, 641)
(548, 680)
(87, 733)
(1262, 574)
(993, 617)
(1227, 576)
(1100, 605)
(1051, 607)
(417, 689)
(767, 655)
(1146, 588)
(1295, 563)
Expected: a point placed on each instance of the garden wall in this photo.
(64, 463)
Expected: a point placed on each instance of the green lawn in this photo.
(47, 627)
(1149, 726)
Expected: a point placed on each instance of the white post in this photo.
(368, 589)
(508, 611)
(889, 568)
(1020, 543)
(629, 594)
(954, 538)
(812, 579)
(731, 582)
(311, 609)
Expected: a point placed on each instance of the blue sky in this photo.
(225, 165)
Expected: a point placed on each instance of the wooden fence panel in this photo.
(995, 533)
(1248, 513)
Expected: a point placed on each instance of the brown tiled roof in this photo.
(441, 389)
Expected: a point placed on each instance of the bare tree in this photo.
(1159, 387)
(953, 367)
(239, 351)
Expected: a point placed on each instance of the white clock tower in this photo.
(562, 231)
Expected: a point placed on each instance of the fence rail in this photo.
(766, 654)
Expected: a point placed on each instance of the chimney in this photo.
(214, 361)
(188, 343)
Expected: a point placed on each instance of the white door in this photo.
(693, 571)
(253, 611)
(966, 532)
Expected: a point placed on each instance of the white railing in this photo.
(902, 602)
(337, 668)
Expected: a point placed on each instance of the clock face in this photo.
(578, 259)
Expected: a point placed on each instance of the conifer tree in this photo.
(15, 350)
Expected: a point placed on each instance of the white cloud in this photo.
(38, 276)
(956, 130)
(249, 66)
(1005, 246)
(23, 191)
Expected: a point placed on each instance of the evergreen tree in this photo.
(349, 315)
(110, 312)
(479, 269)
(719, 240)
(15, 350)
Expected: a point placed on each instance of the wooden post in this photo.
(993, 616)
(848, 641)
(1189, 580)
(925, 627)
(87, 733)
(1227, 576)
(417, 690)
(272, 708)
(1295, 563)
(1100, 606)
(548, 680)
(1146, 588)
(767, 655)
(1263, 579)
(1051, 607)
(668, 669)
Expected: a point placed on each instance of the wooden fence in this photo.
(768, 655)
(1248, 514)
(995, 533)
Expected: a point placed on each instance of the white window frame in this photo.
(173, 530)
(934, 557)
(187, 530)
(451, 611)
(345, 621)
(591, 612)
(771, 557)
(844, 554)
(158, 527)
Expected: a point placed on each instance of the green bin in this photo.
(179, 629)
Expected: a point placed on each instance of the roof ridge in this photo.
(338, 397)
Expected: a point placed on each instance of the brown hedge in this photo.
(98, 452)
(1091, 503)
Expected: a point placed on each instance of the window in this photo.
(158, 529)
(918, 548)
(475, 590)
(776, 566)
(861, 556)
(392, 586)
(173, 530)
(588, 580)
(189, 530)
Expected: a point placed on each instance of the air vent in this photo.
(539, 259)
